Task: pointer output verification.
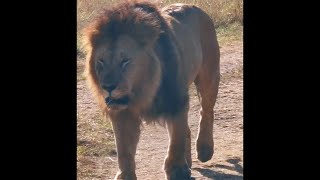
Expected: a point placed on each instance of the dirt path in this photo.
(227, 161)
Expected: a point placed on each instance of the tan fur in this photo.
(136, 32)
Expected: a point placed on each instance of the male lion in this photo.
(140, 63)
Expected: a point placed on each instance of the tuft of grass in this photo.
(229, 34)
(95, 137)
(80, 71)
(222, 12)
(94, 140)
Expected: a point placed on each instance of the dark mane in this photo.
(143, 21)
(138, 19)
(171, 97)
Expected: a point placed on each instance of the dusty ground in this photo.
(97, 159)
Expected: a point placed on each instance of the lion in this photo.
(140, 63)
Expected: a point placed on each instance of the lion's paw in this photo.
(178, 173)
(126, 176)
(204, 152)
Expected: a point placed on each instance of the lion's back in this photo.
(188, 23)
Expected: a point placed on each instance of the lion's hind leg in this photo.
(188, 147)
(207, 84)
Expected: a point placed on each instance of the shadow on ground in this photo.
(216, 175)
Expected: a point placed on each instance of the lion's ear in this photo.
(147, 30)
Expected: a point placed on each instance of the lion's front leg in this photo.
(176, 166)
(126, 127)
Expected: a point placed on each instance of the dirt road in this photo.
(227, 161)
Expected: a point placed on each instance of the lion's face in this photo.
(120, 66)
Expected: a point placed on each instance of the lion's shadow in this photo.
(209, 173)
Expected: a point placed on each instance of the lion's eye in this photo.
(124, 63)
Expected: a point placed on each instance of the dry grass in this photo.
(80, 70)
(226, 14)
(230, 34)
(223, 12)
(95, 136)
(94, 140)
(89, 130)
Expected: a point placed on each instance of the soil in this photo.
(227, 162)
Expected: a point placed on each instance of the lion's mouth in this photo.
(121, 101)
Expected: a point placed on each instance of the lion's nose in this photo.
(109, 87)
